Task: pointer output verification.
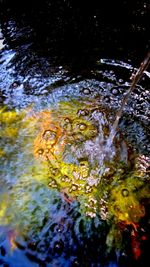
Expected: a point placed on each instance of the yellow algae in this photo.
(2, 153)
(53, 143)
(10, 117)
(56, 153)
(4, 202)
(2, 209)
(10, 124)
(47, 138)
(124, 202)
(10, 132)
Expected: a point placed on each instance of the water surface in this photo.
(64, 201)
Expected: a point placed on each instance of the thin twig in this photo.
(135, 79)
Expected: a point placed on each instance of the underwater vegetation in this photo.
(57, 155)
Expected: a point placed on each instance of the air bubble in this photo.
(114, 91)
(86, 91)
(67, 120)
(92, 203)
(54, 171)
(15, 84)
(52, 183)
(74, 187)
(66, 179)
(67, 126)
(83, 112)
(90, 214)
(40, 151)
(125, 192)
(88, 189)
(49, 135)
(79, 137)
(82, 126)
(47, 150)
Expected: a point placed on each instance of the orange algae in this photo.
(48, 138)
(12, 237)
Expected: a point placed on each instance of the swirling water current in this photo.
(61, 203)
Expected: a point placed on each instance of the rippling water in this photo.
(62, 202)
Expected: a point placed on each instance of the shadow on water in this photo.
(64, 70)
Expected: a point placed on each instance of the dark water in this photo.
(65, 61)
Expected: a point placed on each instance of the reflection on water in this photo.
(53, 170)
(63, 201)
(1, 40)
